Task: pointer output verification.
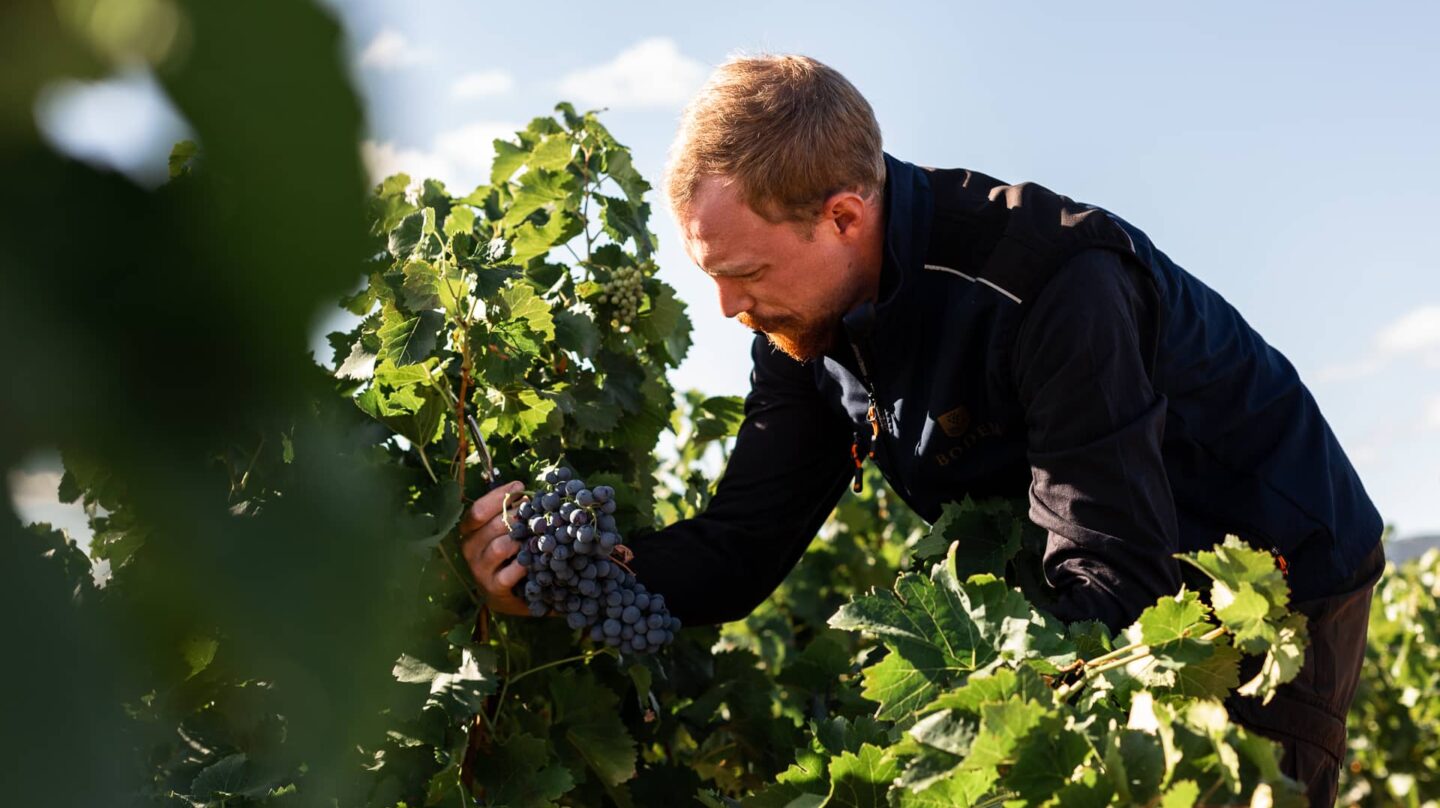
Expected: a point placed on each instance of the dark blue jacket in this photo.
(1025, 342)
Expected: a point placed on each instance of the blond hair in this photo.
(790, 130)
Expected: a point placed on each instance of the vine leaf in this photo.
(406, 340)
(862, 780)
(587, 717)
(520, 773)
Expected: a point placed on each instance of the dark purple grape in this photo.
(538, 609)
(614, 611)
(584, 498)
(572, 603)
(525, 512)
(544, 577)
(642, 600)
(585, 534)
(590, 589)
(574, 486)
(638, 642)
(656, 621)
(562, 553)
(655, 637)
(562, 474)
(614, 599)
(519, 531)
(612, 628)
(575, 620)
(532, 589)
(567, 508)
(675, 624)
(603, 493)
(590, 607)
(627, 632)
(538, 525)
(579, 518)
(596, 635)
(547, 543)
(606, 522)
(588, 573)
(613, 641)
(627, 597)
(630, 615)
(524, 558)
(657, 603)
(551, 477)
(608, 507)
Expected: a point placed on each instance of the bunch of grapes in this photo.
(575, 559)
(624, 292)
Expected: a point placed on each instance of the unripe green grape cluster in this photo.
(624, 292)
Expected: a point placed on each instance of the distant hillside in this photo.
(1405, 549)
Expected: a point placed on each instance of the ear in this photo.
(847, 211)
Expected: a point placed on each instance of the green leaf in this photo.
(577, 332)
(1000, 685)
(665, 322)
(1173, 619)
(718, 417)
(508, 159)
(521, 773)
(1245, 613)
(552, 154)
(624, 221)
(947, 730)
(1211, 678)
(407, 340)
(460, 220)
(405, 237)
(988, 534)
(1045, 760)
(1181, 794)
(588, 716)
(862, 780)
(524, 306)
(199, 652)
(899, 686)
(1282, 661)
(1234, 562)
(535, 241)
(537, 190)
(1002, 727)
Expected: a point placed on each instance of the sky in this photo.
(1284, 153)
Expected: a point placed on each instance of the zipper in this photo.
(876, 416)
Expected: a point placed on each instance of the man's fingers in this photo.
(488, 507)
(498, 550)
(509, 575)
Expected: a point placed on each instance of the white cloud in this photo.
(392, 50)
(459, 157)
(482, 84)
(1415, 337)
(1432, 413)
(652, 73)
(30, 488)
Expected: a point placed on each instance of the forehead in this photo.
(720, 231)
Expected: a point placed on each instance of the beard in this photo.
(799, 338)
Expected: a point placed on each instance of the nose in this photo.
(733, 298)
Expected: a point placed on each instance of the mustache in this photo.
(767, 324)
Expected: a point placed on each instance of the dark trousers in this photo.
(1307, 715)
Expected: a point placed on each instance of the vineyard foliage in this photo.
(287, 619)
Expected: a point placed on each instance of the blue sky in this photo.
(1284, 153)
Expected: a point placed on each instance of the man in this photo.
(981, 338)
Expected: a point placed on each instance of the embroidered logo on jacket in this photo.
(955, 422)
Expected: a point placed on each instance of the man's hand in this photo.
(487, 546)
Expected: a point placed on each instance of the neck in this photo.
(872, 256)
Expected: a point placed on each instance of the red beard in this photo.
(796, 338)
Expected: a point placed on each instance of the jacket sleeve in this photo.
(1095, 425)
(789, 468)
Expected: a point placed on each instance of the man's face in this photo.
(769, 276)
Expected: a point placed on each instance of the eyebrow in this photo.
(743, 269)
